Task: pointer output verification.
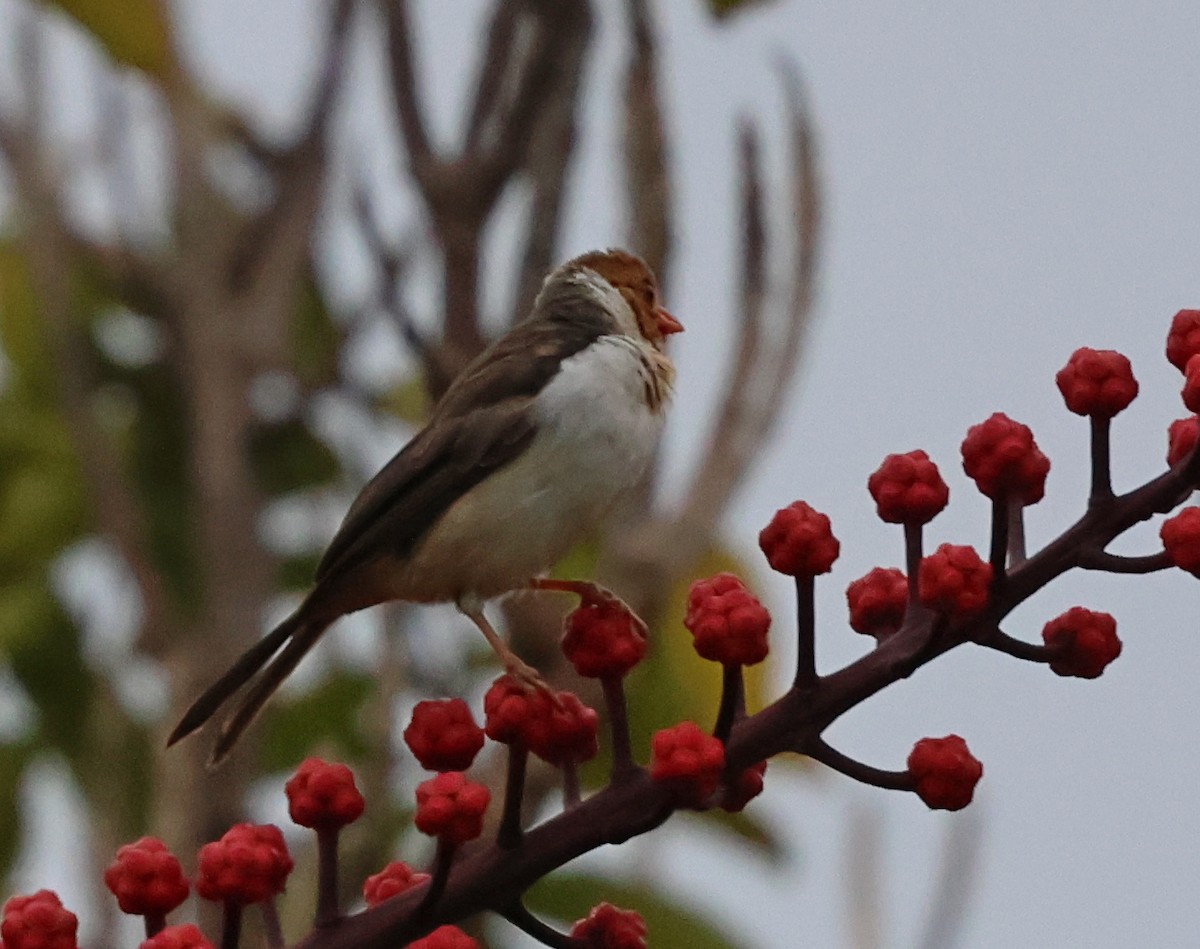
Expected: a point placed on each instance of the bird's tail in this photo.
(262, 667)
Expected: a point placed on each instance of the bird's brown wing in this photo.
(483, 422)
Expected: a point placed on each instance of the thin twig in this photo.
(518, 914)
(509, 834)
(733, 701)
(1101, 427)
(806, 633)
(851, 768)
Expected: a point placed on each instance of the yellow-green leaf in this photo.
(723, 8)
(134, 32)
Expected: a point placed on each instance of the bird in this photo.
(525, 454)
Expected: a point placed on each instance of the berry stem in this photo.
(519, 916)
(155, 923)
(273, 931)
(1114, 563)
(829, 756)
(231, 925)
(998, 552)
(1016, 535)
(806, 633)
(327, 875)
(509, 835)
(442, 861)
(1002, 642)
(1101, 461)
(912, 557)
(733, 701)
(618, 716)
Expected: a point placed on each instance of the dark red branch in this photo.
(1101, 460)
(864, 773)
(327, 875)
(509, 834)
(733, 701)
(806, 634)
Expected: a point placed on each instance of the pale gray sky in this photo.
(1004, 183)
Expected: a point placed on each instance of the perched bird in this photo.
(522, 457)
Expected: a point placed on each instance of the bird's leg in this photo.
(514, 665)
(588, 592)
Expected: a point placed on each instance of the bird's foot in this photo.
(528, 677)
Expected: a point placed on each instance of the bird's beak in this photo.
(667, 324)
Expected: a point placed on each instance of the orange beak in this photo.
(667, 324)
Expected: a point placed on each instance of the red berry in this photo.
(908, 489)
(1002, 458)
(323, 795)
(570, 734)
(249, 864)
(446, 937)
(688, 761)
(146, 878)
(607, 927)
(878, 602)
(1191, 384)
(392, 880)
(516, 714)
(38, 921)
(1183, 341)
(1181, 538)
(443, 735)
(603, 639)
(1085, 642)
(451, 807)
(747, 787)
(1181, 438)
(187, 936)
(728, 622)
(945, 772)
(1097, 382)
(955, 580)
(799, 542)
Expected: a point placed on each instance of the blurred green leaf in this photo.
(296, 573)
(328, 716)
(20, 331)
(570, 896)
(288, 457)
(13, 759)
(47, 659)
(723, 8)
(316, 339)
(408, 400)
(134, 32)
(673, 683)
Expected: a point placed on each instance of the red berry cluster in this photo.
(603, 640)
(799, 541)
(688, 761)
(1097, 382)
(146, 878)
(249, 864)
(1183, 340)
(323, 795)
(908, 489)
(607, 927)
(944, 772)
(396, 878)
(446, 937)
(954, 579)
(1181, 539)
(38, 921)
(451, 808)
(187, 936)
(1084, 642)
(878, 602)
(570, 733)
(1003, 460)
(1181, 438)
(727, 621)
(443, 735)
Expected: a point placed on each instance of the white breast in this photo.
(596, 434)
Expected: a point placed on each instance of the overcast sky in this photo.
(1004, 183)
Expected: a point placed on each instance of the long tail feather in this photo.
(237, 675)
(264, 686)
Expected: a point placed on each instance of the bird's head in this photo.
(634, 281)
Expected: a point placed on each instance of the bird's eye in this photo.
(648, 295)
